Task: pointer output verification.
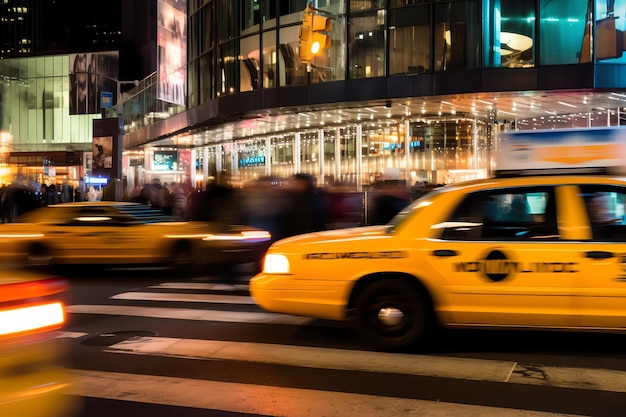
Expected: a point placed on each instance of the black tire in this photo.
(182, 259)
(38, 256)
(391, 315)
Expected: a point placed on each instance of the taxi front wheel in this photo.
(391, 315)
(38, 255)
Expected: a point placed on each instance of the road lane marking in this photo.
(313, 357)
(201, 286)
(190, 314)
(270, 400)
(70, 335)
(355, 360)
(193, 298)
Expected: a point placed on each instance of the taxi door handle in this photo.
(599, 254)
(444, 252)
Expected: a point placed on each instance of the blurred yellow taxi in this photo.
(122, 233)
(32, 370)
(514, 251)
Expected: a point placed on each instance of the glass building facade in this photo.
(409, 89)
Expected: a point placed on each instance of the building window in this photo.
(249, 63)
(457, 35)
(563, 32)
(509, 33)
(269, 59)
(227, 70)
(610, 26)
(366, 47)
(227, 27)
(358, 5)
(409, 40)
(206, 78)
(250, 14)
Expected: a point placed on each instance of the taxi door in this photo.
(79, 237)
(503, 263)
(603, 289)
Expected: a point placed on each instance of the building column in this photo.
(320, 140)
(219, 154)
(192, 166)
(296, 152)
(268, 156)
(205, 164)
(337, 155)
(234, 161)
(359, 157)
(407, 156)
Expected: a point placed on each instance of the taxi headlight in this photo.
(276, 264)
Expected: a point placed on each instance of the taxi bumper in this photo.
(33, 382)
(311, 298)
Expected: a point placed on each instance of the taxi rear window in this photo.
(606, 210)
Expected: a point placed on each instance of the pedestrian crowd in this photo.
(283, 207)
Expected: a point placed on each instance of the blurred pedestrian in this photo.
(18, 198)
(305, 208)
(390, 199)
(262, 204)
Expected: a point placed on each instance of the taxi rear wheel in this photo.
(391, 315)
(182, 260)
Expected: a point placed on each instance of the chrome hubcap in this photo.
(390, 316)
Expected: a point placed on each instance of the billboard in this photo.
(172, 51)
(102, 156)
(165, 160)
(90, 75)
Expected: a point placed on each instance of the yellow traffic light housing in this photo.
(313, 36)
(306, 34)
(321, 27)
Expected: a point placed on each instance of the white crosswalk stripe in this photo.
(297, 402)
(260, 399)
(190, 298)
(190, 314)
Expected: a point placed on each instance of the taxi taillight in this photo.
(31, 307)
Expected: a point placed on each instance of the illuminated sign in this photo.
(172, 51)
(588, 149)
(164, 160)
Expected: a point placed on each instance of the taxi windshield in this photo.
(413, 209)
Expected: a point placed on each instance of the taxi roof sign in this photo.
(562, 151)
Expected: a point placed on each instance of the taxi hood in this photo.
(336, 235)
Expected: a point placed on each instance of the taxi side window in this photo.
(91, 216)
(511, 214)
(606, 211)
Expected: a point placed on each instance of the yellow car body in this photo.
(32, 362)
(121, 233)
(462, 256)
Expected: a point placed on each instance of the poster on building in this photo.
(102, 156)
(165, 160)
(90, 75)
(172, 51)
(610, 29)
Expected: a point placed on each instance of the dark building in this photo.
(45, 27)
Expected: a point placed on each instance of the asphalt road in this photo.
(148, 343)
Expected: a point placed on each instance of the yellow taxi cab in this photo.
(519, 250)
(32, 361)
(123, 233)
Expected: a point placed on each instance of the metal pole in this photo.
(119, 185)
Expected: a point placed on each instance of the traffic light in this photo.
(321, 28)
(306, 34)
(313, 36)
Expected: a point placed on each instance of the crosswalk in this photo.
(296, 402)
